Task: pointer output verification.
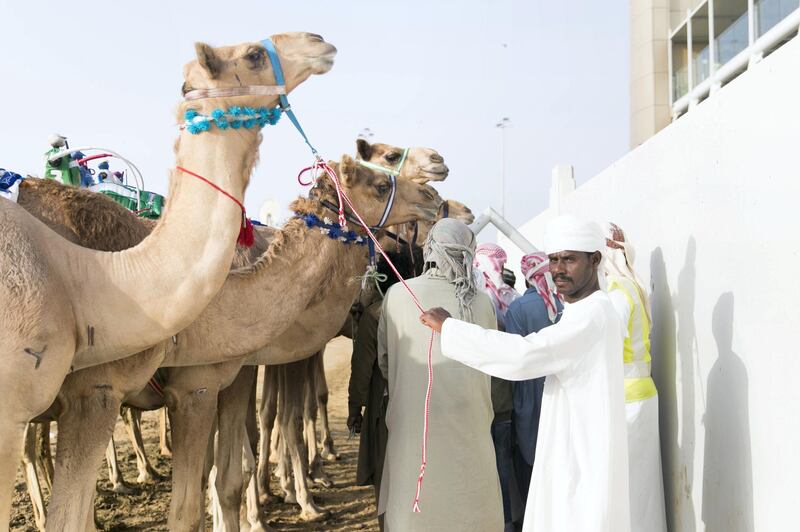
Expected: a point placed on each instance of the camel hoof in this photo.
(321, 480)
(151, 477)
(165, 451)
(290, 498)
(268, 498)
(329, 455)
(314, 515)
(123, 489)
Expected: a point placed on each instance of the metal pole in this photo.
(503, 124)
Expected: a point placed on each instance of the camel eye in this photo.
(255, 57)
(391, 157)
(382, 189)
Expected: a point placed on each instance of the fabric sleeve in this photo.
(553, 350)
(623, 305)
(383, 341)
(365, 349)
(514, 321)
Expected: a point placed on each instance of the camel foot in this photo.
(245, 526)
(290, 498)
(329, 455)
(165, 451)
(313, 514)
(149, 477)
(123, 489)
(321, 480)
(268, 498)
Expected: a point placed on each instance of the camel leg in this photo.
(316, 472)
(31, 478)
(254, 510)
(133, 425)
(328, 451)
(191, 419)
(283, 471)
(44, 456)
(291, 418)
(231, 438)
(266, 419)
(118, 484)
(78, 455)
(164, 443)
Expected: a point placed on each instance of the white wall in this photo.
(711, 203)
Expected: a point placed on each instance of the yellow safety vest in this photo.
(639, 384)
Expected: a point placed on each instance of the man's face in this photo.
(574, 272)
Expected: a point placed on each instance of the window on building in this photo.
(680, 63)
(700, 46)
(730, 29)
(770, 12)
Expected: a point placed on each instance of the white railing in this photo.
(785, 29)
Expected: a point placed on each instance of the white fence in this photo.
(711, 203)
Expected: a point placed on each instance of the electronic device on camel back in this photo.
(70, 166)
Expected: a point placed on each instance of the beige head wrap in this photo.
(451, 245)
(619, 260)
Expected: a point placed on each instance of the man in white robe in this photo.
(580, 476)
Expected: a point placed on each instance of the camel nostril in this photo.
(436, 158)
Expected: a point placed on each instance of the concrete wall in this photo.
(711, 203)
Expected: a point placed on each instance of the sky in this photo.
(433, 73)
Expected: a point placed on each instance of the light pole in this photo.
(503, 124)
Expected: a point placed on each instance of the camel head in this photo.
(369, 190)
(301, 55)
(420, 165)
(448, 209)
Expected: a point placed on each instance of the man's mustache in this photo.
(562, 278)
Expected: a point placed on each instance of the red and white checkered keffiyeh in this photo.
(489, 260)
(536, 269)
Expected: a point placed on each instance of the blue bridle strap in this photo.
(279, 80)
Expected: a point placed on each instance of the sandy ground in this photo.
(352, 507)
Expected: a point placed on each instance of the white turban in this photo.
(568, 233)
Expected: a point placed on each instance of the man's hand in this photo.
(434, 318)
(354, 420)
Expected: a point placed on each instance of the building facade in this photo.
(682, 51)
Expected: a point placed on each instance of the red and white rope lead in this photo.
(342, 195)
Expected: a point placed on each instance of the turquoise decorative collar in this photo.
(235, 117)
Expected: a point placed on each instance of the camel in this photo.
(219, 327)
(54, 320)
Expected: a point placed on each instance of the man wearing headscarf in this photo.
(628, 294)
(461, 491)
(488, 264)
(580, 477)
(538, 308)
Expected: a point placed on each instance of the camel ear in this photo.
(347, 169)
(364, 149)
(208, 59)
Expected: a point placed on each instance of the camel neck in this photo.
(164, 283)
(302, 266)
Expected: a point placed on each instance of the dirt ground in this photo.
(352, 507)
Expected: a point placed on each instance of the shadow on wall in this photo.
(674, 352)
(727, 463)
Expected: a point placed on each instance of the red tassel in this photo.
(246, 234)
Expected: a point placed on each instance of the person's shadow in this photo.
(669, 339)
(727, 463)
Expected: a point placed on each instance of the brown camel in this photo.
(252, 288)
(53, 319)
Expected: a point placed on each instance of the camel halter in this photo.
(390, 171)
